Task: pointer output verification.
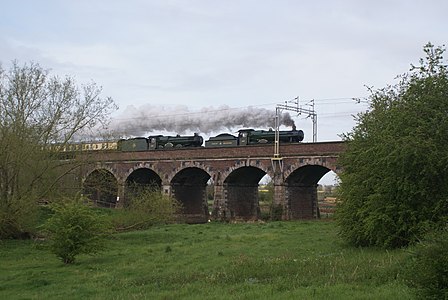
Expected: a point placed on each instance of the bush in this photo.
(75, 228)
(148, 207)
(276, 212)
(428, 271)
(18, 218)
(393, 181)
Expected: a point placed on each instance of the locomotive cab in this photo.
(244, 136)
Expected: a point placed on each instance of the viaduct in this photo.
(235, 172)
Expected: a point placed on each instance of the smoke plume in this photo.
(151, 119)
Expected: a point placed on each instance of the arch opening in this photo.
(189, 187)
(241, 189)
(140, 180)
(101, 187)
(301, 191)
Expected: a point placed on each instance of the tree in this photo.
(394, 183)
(37, 112)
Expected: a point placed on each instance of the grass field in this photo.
(279, 260)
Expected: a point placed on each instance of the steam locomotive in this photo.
(159, 142)
(252, 137)
(245, 137)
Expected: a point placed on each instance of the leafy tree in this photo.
(394, 185)
(37, 112)
(75, 228)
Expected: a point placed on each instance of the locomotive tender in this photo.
(246, 137)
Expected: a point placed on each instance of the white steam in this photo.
(180, 119)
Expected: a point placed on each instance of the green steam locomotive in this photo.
(253, 137)
(159, 142)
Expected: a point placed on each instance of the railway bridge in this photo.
(235, 172)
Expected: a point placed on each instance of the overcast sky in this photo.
(240, 53)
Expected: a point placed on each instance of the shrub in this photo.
(276, 212)
(18, 218)
(393, 181)
(75, 228)
(428, 271)
(148, 207)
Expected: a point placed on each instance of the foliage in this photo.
(75, 228)
(277, 260)
(38, 111)
(147, 207)
(428, 271)
(276, 212)
(394, 183)
(18, 220)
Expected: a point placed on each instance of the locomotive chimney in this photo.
(294, 127)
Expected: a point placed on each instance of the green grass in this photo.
(279, 260)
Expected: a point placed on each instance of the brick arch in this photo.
(328, 163)
(108, 168)
(266, 169)
(141, 165)
(186, 165)
(307, 175)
